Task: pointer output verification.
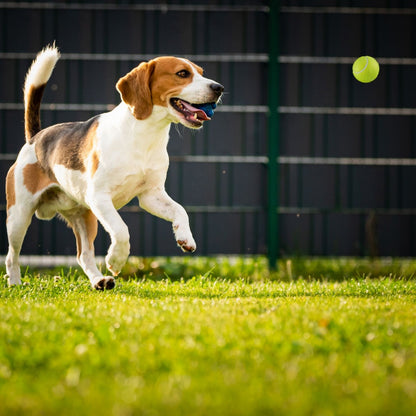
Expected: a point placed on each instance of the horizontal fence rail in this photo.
(162, 7)
(282, 160)
(374, 111)
(348, 10)
(346, 211)
(249, 57)
(293, 210)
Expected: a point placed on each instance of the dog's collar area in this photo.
(193, 113)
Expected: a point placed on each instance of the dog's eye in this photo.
(183, 73)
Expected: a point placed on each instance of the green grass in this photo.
(256, 268)
(208, 346)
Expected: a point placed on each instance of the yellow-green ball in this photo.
(365, 69)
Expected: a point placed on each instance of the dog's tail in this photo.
(36, 79)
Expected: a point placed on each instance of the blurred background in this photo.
(334, 176)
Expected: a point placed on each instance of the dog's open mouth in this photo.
(195, 114)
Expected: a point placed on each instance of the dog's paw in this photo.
(114, 269)
(187, 246)
(13, 280)
(104, 283)
(117, 257)
(184, 238)
(114, 265)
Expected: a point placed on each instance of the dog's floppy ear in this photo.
(134, 89)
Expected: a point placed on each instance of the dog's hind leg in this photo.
(18, 220)
(84, 226)
(20, 209)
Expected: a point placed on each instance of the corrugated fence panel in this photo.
(100, 42)
(347, 171)
(352, 194)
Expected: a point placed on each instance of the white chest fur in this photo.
(132, 157)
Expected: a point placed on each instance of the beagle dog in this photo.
(86, 171)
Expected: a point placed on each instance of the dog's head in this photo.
(174, 83)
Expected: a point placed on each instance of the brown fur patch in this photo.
(165, 83)
(94, 163)
(134, 89)
(10, 188)
(153, 83)
(92, 227)
(67, 144)
(32, 110)
(78, 241)
(35, 179)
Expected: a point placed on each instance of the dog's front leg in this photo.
(102, 207)
(159, 203)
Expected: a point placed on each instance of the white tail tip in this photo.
(42, 67)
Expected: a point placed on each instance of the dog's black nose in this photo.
(217, 88)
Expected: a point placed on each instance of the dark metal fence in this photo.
(299, 159)
(347, 155)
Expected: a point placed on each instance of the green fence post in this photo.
(273, 136)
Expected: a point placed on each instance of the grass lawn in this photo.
(208, 346)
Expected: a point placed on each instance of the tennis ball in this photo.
(365, 69)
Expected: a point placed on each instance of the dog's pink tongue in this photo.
(200, 113)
